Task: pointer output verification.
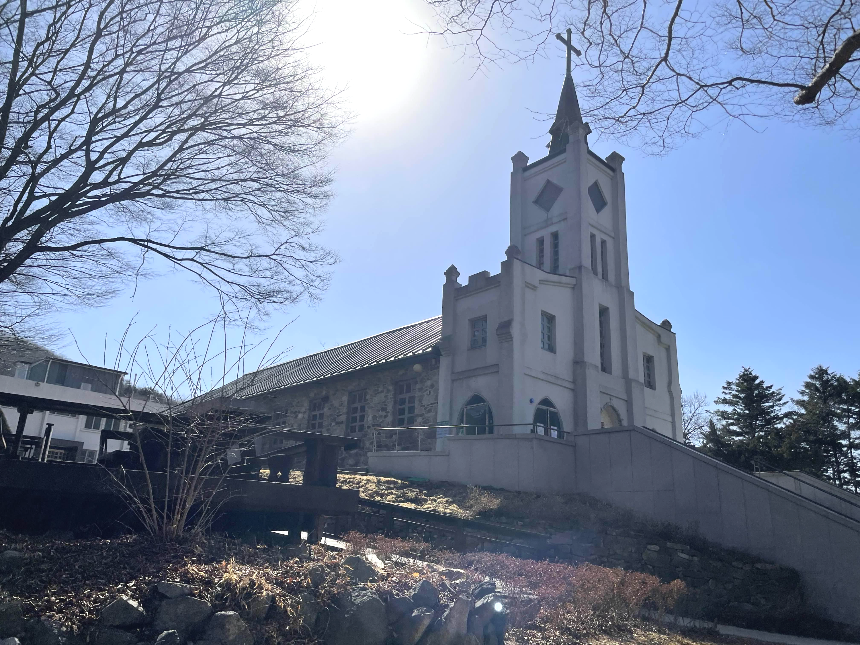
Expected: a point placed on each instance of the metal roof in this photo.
(403, 342)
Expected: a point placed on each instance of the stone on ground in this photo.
(309, 609)
(173, 589)
(397, 607)
(182, 614)
(48, 632)
(170, 637)
(425, 594)
(123, 612)
(113, 636)
(358, 568)
(12, 620)
(360, 620)
(227, 628)
(10, 641)
(409, 629)
(258, 607)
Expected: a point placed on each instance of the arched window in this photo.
(547, 420)
(476, 417)
(609, 417)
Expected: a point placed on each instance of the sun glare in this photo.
(372, 50)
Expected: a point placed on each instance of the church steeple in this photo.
(568, 104)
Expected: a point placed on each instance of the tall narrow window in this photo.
(21, 370)
(92, 423)
(356, 412)
(594, 254)
(553, 237)
(605, 341)
(648, 371)
(604, 260)
(478, 332)
(547, 331)
(539, 252)
(405, 408)
(316, 415)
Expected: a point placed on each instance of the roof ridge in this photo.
(352, 342)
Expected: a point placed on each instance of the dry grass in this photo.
(536, 511)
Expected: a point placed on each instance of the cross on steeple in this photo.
(568, 44)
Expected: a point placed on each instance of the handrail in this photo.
(758, 462)
(535, 428)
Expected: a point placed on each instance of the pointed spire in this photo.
(567, 114)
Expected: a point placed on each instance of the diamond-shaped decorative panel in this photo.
(597, 198)
(547, 195)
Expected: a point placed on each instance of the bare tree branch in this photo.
(186, 132)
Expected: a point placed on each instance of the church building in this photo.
(552, 344)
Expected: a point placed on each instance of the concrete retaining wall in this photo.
(666, 481)
(818, 491)
(652, 475)
(521, 462)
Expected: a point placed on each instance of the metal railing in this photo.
(423, 433)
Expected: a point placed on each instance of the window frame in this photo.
(546, 406)
(604, 259)
(604, 324)
(476, 401)
(554, 252)
(97, 421)
(593, 241)
(356, 412)
(539, 253)
(316, 414)
(547, 332)
(649, 375)
(484, 335)
(406, 419)
(19, 366)
(596, 184)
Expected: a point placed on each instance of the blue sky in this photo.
(746, 241)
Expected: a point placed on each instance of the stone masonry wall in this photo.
(290, 407)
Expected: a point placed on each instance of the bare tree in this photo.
(694, 417)
(191, 132)
(654, 73)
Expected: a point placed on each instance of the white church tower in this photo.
(553, 343)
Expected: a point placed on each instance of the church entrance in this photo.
(609, 417)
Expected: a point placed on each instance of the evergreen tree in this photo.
(820, 441)
(748, 422)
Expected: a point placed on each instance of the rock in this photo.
(227, 628)
(483, 613)
(309, 609)
(482, 589)
(452, 627)
(317, 575)
(113, 636)
(409, 629)
(173, 589)
(12, 620)
(10, 641)
(358, 568)
(360, 620)
(398, 607)
(11, 560)
(258, 607)
(170, 637)
(123, 612)
(425, 594)
(48, 632)
(183, 614)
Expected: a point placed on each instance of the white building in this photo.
(28, 370)
(554, 339)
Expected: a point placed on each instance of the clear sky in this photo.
(747, 241)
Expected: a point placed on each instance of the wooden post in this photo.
(23, 413)
(46, 442)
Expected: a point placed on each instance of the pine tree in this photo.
(748, 422)
(820, 441)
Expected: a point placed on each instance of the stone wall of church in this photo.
(291, 407)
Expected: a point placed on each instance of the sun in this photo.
(373, 50)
